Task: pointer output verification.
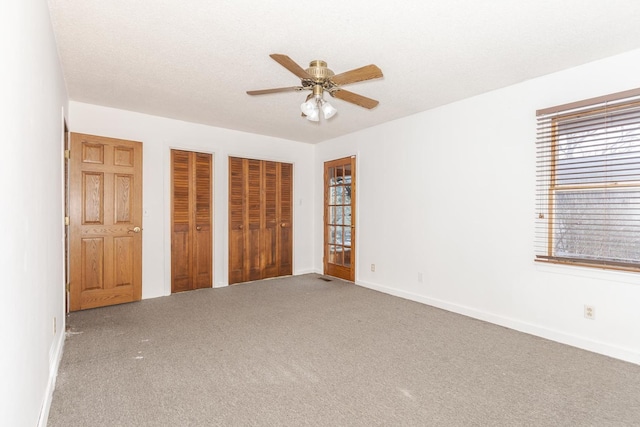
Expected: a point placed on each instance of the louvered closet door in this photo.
(237, 177)
(203, 256)
(253, 214)
(260, 219)
(285, 210)
(191, 243)
(269, 235)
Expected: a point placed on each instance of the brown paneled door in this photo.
(105, 215)
(191, 245)
(260, 219)
(339, 215)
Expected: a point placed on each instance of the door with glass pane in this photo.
(339, 216)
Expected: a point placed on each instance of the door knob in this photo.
(198, 228)
(283, 225)
(134, 230)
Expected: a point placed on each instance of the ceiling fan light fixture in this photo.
(314, 115)
(328, 110)
(309, 107)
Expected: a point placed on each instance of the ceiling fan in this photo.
(319, 79)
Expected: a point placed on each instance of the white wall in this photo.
(31, 261)
(159, 136)
(449, 193)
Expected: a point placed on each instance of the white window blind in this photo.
(588, 183)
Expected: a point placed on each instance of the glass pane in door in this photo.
(339, 209)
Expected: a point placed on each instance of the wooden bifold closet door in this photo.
(191, 249)
(260, 219)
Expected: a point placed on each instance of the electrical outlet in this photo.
(420, 277)
(373, 267)
(589, 312)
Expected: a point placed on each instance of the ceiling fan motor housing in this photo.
(319, 71)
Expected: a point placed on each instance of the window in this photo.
(588, 183)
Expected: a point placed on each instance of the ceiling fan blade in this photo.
(354, 98)
(275, 90)
(291, 65)
(367, 72)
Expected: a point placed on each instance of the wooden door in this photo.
(339, 216)
(260, 219)
(191, 240)
(237, 213)
(105, 208)
(284, 207)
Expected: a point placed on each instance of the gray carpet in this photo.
(301, 351)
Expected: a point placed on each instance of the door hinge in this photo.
(67, 154)
(68, 287)
(66, 220)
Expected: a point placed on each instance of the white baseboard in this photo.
(606, 349)
(55, 356)
(306, 271)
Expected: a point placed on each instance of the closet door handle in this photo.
(198, 228)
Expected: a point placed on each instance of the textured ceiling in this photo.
(193, 60)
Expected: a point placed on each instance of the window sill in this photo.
(589, 272)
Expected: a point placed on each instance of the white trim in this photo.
(55, 356)
(63, 179)
(621, 353)
(632, 278)
(277, 159)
